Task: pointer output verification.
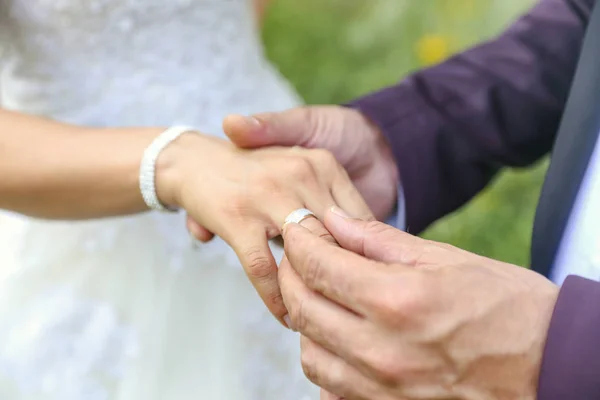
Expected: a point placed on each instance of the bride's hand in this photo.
(244, 196)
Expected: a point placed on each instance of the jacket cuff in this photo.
(571, 363)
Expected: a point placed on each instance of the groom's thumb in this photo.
(287, 128)
(372, 239)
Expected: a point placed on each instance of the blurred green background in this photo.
(335, 50)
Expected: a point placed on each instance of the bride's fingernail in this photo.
(288, 321)
(339, 212)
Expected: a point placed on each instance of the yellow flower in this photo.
(431, 49)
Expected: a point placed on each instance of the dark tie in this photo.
(571, 153)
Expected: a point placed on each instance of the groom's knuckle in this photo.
(313, 119)
(313, 270)
(395, 306)
(299, 315)
(385, 365)
(308, 362)
(409, 304)
(384, 361)
(321, 124)
(327, 237)
(311, 373)
(388, 308)
(378, 230)
(312, 116)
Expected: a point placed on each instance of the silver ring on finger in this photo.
(297, 216)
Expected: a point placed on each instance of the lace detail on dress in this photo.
(135, 63)
(128, 62)
(282, 354)
(63, 347)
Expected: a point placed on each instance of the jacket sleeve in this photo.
(571, 363)
(453, 126)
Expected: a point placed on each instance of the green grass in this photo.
(335, 50)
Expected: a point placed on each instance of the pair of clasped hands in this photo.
(273, 165)
(382, 314)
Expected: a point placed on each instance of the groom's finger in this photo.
(197, 231)
(247, 132)
(317, 228)
(324, 321)
(288, 128)
(334, 374)
(374, 240)
(340, 275)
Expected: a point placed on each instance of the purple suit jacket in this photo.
(453, 126)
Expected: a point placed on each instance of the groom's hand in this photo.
(355, 142)
(392, 316)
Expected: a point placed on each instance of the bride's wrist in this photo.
(170, 169)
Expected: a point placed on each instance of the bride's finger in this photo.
(197, 231)
(318, 201)
(343, 191)
(349, 199)
(277, 211)
(255, 255)
(251, 246)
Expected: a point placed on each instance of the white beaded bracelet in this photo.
(148, 166)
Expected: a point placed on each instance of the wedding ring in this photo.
(297, 216)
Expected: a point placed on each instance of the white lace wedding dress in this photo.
(126, 308)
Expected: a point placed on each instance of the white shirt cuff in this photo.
(398, 219)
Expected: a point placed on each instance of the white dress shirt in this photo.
(579, 251)
(398, 219)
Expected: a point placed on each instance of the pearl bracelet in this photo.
(148, 166)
